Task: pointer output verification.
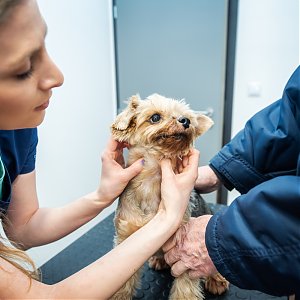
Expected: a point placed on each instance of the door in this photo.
(176, 48)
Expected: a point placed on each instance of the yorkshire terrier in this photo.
(156, 128)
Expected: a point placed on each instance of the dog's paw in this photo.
(216, 284)
(157, 263)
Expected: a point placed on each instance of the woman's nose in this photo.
(52, 76)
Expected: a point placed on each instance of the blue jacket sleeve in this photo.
(267, 147)
(255, 242)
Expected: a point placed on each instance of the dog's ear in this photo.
(204, 123)
(125, 122)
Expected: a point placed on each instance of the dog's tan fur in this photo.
(152, 141)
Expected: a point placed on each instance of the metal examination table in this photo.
(155, 284)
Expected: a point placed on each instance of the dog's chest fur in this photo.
(140, 200)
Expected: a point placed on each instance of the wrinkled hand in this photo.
(177, 186)
(207, 180)
(114, 175)
(186, 250)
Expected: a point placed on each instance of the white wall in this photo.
(77, 123)
(267, 53)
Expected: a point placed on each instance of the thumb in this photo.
(135, 168)
(166, 168)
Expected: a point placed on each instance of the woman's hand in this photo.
(114, 175)
(186, 250)
(176, 188)
(207, 180)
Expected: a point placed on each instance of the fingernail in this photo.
(143, 162)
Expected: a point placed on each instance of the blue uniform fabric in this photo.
(18, 153)
(255, 242)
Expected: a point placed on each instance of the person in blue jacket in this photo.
(255, 242)
(27, 78)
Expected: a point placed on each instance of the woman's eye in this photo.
(25, 75)
(155, 118)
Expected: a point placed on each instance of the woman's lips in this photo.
(43, 106)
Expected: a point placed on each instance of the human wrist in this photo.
(207, 180)
(211, 268)
(98, 199)
(169, 222)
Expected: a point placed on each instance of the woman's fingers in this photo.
(166, 168)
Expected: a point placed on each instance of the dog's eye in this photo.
(155, 118)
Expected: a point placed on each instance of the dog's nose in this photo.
(185, 122)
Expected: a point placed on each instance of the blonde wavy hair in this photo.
(12, 252)
(9, 250)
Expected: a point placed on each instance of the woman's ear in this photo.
(125, 122)
(204, 123)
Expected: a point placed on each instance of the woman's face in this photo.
(27, 74)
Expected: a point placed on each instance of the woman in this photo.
(27, 77)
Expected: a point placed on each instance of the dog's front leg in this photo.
(123, 230)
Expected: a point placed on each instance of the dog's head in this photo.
(160, 123)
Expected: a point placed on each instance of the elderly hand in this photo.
(114, 175)
(207, 180)
(186, 250)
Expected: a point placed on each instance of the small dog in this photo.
(157, 128)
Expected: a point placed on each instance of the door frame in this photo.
(232, 17)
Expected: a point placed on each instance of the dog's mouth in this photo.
(171, 144)
(175, 136)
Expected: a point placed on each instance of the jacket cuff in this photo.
(235, 172)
